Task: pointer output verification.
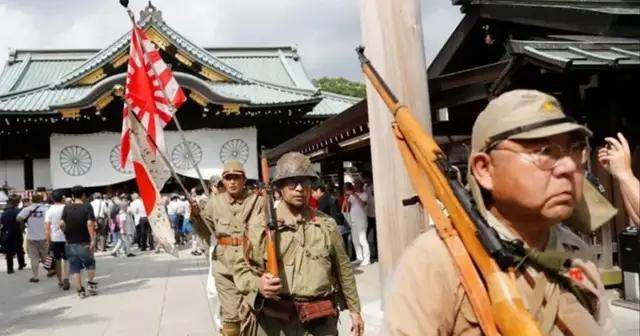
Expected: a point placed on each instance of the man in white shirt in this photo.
(55, 238)
(176, 215)
(143, 227)
(33, 217)
(357, 199)
(100, 210)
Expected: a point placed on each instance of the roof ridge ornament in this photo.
(150, 12)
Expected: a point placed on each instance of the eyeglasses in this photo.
(548, 156)
(293, 182)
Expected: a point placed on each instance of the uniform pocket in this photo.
(317, 270)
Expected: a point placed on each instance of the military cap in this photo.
(531, 114)
(521, 114)
(294, 164)
(233, 167)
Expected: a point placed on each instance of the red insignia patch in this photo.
(576, 274)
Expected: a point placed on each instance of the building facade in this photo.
(60, 119)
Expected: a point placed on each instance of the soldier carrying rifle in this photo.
(313, 279)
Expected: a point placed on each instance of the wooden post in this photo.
(392, 36)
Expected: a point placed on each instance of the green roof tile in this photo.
(35, 80)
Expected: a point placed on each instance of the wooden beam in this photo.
(452, 45)
(355, 116)
(392, 35)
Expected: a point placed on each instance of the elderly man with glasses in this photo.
(526, 177)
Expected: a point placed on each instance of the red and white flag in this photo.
(150, 92)
(151, 175)
(149, 83)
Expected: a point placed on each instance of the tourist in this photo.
(78, 224)
(33, 217)
(372, 232)
(357, 200)
(125, 227)
(616, 159)
(328, 204)
(176, 211)
(187, 230)
(100, 210)
(56, 239)
(143, 227)
(11, 234)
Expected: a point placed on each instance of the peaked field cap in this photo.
(521, 114)
(233, 167)
(294, 164)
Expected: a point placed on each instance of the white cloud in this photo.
(326, 31)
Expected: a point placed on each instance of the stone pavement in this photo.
(145, 295)
(155, 295)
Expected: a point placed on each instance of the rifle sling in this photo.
(469, 277)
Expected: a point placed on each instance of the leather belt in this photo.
(229, 241)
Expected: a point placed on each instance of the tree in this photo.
(341, 85)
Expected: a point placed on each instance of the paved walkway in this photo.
(155, 295)
(146, 295)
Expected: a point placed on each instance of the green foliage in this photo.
(341, 85)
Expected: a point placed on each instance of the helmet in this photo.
(294, 164)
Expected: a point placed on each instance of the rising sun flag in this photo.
(151, 95)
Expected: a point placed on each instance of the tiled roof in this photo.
(39, 100)
(333, 104)
(277, 65)
(581, 52)
(35, 80)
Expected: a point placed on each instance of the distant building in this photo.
(247, 97)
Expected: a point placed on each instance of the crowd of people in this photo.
(61, 230)
(60, 234)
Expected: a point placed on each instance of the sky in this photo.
(325, 31)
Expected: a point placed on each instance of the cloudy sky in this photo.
(325, 31)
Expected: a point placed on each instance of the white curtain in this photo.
(93, 159)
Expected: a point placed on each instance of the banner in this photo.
(93, 159)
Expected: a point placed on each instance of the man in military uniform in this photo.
(526, 177)
(227, 213)
(315, 278)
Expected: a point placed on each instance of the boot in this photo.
(230, 329)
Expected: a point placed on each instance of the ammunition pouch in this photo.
(288, 310)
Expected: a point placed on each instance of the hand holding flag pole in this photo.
(172, 110)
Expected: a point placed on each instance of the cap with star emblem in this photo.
(521, 114)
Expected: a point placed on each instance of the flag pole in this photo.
(173, 111)
(119, 91)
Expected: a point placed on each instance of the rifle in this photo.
(467, 235)
(272, 220)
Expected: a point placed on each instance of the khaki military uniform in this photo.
(228, 217)
(429, 299)
(313, 265)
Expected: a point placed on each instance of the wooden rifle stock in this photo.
(427, 165)
(270, 216)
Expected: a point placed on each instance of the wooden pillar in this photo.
(392, 36)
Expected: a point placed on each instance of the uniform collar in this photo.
(232, 200)
(287, 219)
(559, 238)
